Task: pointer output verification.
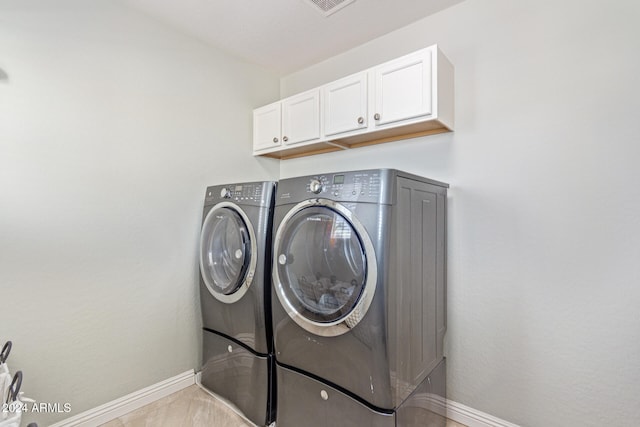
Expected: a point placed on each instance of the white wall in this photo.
(544, 223)
(111, 127)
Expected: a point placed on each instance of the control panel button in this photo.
(225, 193)
(315, 186)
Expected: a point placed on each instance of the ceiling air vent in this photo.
(327, 7)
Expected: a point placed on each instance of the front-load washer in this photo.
(235, 254)
(359, 293)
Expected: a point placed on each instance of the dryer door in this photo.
(227, 252)
(324, 268)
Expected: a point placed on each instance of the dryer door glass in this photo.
(321, 264)
(224, 250)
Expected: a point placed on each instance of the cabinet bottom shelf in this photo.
(370, 138)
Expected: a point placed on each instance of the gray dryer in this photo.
(235, 254)
(359, 310)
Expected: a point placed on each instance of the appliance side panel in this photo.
(413, 285)
(441, 272)
(399, 325)
(424, 233)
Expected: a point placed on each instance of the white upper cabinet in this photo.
(408, 97)
(345, 105)
(291, 121)
(403, 88)
(301, 118)
(266, 127)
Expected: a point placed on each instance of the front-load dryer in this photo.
(358, 296)
(235, 253)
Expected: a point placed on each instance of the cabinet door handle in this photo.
(275, 139)
(360, 120)
(285, 139)
(376, 116)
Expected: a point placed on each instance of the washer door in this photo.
(227, 252)
(324, 269)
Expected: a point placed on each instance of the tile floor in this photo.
(191, 407)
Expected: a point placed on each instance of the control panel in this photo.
(251, 193)
(364, 186)
(356, 186)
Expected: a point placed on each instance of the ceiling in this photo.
(287, 35)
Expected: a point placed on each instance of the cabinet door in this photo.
(266, 127)
(403, 88)
(345, 105)
(301, 118)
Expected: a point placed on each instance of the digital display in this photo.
(338, 179)
(238, 188)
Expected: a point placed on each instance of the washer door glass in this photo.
(225, 250)
(321, 264)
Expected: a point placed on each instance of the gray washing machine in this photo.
(359, 293)
(235, 255)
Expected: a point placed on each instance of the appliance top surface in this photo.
(258, 193)
(361, 186)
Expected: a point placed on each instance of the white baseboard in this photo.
(472, 417)
(119, 407)
(460, 413)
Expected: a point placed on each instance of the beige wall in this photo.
(111, 127)
(544, 204)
